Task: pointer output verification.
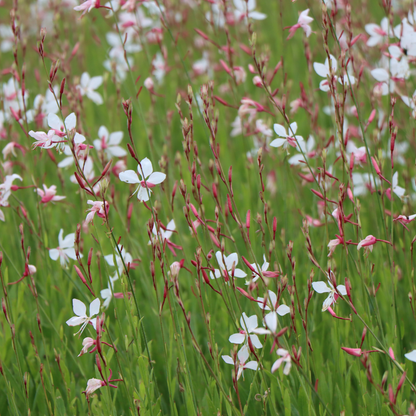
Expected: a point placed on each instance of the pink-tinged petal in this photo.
(255, 341)
(279, 130)
(54, 254)
(85, 79)
(243, 354)
(278, 142)
(146, 167)
(320, 69)
(237, 338)
(411, 356)
(380, 74)
(320, 287)
(129, 176)
(71, 121)
(251, 365)
(95, 307)
(156, 178)
(283, 310)
(356, 352)
(328, 302)
(79, 308)
(371, 29)
(227, 359)
(75, 320)
(276, 365)
(103, 133)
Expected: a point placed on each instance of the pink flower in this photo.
(44, 140)
(303, 22)
(97, 208)
(240, 363)
(92, 385)
(369, 241)
(87, 6)
(285, 358)
(87, 343)
(49, 194)
(356, 352)
(10, 149)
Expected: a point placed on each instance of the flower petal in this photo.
(79, 308)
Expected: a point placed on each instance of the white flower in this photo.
(398, 190)
(242, 357)
(285, 358)
(107, 294)
(378, 33)
(321, 287)
(308, 150)
(242, 8)
(147, 180)
(88, 86)
(109, 143)
(81, 317)
(125, 257)
(256, 276)
(289, 137)
(324, 71)
(60, 128)
(271, 305)
(248, 326)
(5, 189)
(226, 267)
(65, 249)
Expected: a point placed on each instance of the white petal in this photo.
(411, 356)
(95, 82)
(71, 121)
(143, 194)
(278, 142)
(320, 69)
(75, 320)
(380, 74)
(227, 359)
(103, 132)
(251, 365)
(341, 289)
(79, 308)
(95, 307)
(129, 176)
(54, 122)
(271, 321)
(239, 273)
(320, 287)
(283, 310)
(54, 254)
(146, 166)
(109, 259)
(70, 252)
(255, 341)
(95, 97)
(248, 323)
(243, 354)
(156, 177)
(237, 338)
(115, 138)
(117, 151)
(279, 130)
